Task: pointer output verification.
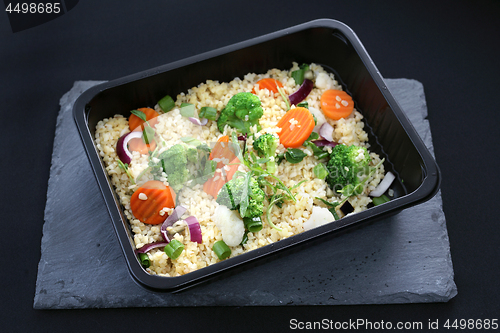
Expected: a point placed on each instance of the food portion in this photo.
(228, 167)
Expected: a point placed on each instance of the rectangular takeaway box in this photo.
(326, 42)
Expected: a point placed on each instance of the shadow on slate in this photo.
(401, 259)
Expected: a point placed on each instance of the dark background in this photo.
(452, 47)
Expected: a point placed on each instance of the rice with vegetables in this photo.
(237, 191)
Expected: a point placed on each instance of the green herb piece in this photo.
(191, 141)
(294, 155)
(144, 259)
(298, 75)
(273, 201)
(208, 112)
(380, 200)
(313, 136)
(320, 171)
(285, 98)
(253, 224)
(139, 114)
(166, 103)
(188, 110)
(245, 239)
(279, 158)
(124, 167)
(221, 250)
(148, 134)
(304, 105)
(174, 249)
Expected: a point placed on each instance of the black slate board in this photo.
(401, 259)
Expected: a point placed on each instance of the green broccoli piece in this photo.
(346, 165)
(243, 193)
(192, 154)
(241, 112)
(265, 146)
(174, 163)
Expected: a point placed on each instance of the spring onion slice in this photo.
(174, 217)
(174, 249)
(166, 103)
(380, 200)
(208, 112)
(194, 229)
(144, 259)
(253, 224)
(221, 250)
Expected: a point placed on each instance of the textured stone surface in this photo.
(401, 259)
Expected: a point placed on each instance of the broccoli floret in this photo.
(192, 154)
(265, 146)
(241, 112)
(174, 162)
(235, 193)
(346, 165)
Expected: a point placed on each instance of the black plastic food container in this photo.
(326, 42)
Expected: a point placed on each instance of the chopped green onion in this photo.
(174, 249)
(380, 200)
(320, 171)
(221, 250)
(208, 112)
(139, 114)
(144, 259)
(188, 110)
(166, 103)
(253, 224)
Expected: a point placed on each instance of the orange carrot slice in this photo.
(213, 185)
(136, 124)
(269, 84)
(222, 152)
(138, 144)
(227, 165)
(336, 104)
(148, 201)
(296, 126)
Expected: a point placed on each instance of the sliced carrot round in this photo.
(149, 200)
(136, 124)
(269, 84)
(336, 104)
(296, 126)
(138, 144)
(222, 152)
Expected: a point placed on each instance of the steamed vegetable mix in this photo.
(245, 163)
